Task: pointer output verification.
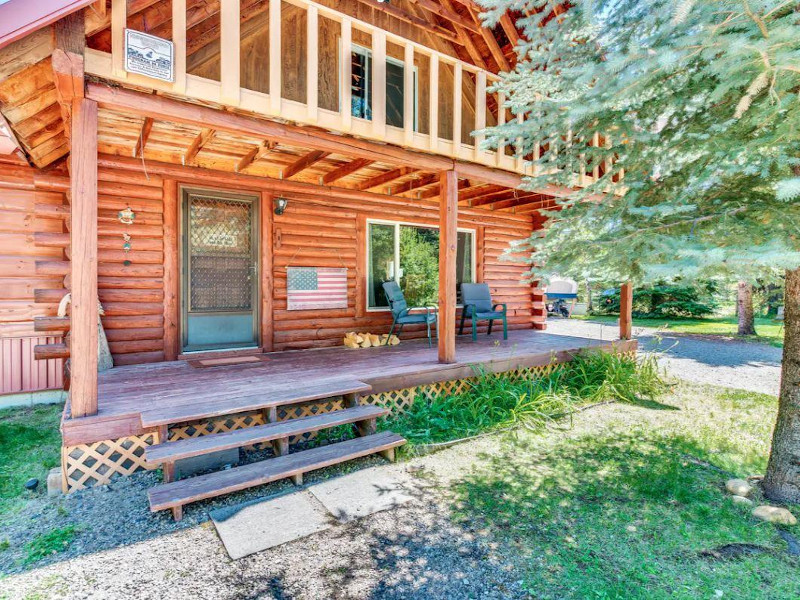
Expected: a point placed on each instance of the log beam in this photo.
(201, 140)
(83, 266)
(384, 178)
(448, 234)
(303, 163)
(346, 169)
(144, 135)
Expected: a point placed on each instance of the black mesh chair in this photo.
(402, 314)
(478, 306)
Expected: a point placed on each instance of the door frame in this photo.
(254, 198)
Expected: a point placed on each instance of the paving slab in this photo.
(261, 524)
(364, 493)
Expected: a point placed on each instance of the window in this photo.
(409, 254)
(361, 88)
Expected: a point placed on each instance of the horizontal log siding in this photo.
(28, 206)
(132, 296)
(319, 232)
(314, 231)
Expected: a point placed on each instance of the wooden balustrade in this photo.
(445, 74)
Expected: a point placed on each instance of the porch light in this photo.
(280, 205)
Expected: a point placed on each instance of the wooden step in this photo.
(218, 407)
(174, 495)
(172, 451)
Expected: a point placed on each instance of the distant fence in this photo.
(20, 372)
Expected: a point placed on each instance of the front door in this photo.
(220, 271)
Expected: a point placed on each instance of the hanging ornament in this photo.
(126, 217)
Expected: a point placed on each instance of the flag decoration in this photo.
(316, 288)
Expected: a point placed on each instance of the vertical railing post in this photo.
(433, 112)
(346, 67)
(501, 120)
(230, 38)
(625, 311)
(312, 62)
(119, 20)
(520, 145)
(83, 260)
(408, 95)
(480, 110)
(179, 41)
(275, 68)
(458, 97)
(448, 235)
(379, 83)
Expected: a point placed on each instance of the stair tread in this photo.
(178, 493)
(171, 451)
(216, 407)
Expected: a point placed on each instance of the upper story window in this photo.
(361, 88)
(409, 255)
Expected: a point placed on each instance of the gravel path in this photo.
(717, 361)
(417, 551)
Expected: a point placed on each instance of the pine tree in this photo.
(695, 107)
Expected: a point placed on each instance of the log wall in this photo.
(314, 231)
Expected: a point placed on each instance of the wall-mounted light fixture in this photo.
(280, 205)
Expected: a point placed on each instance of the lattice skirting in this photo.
(85, 465)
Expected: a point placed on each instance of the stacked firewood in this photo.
(369, 340)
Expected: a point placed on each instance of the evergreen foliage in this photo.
(697, 101)
(665, 300)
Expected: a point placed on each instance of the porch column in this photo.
(625, 310)
(83, 259)
(448, 234)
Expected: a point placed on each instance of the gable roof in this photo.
(19, 18)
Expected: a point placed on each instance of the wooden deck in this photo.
(127, 393)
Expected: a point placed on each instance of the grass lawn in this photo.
(629, 503)
(767, 329)
(30, 445)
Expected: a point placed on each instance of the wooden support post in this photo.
(179, 41)
(275, 67)
(480, 111)
(408, 95)
(625, 310)
(448, 234)
(501, 120)
(280, 446)
(379, 83)
(167, 468)
(433, 111)
(346, 79)
(312, 63)
(230, 38)
(83, 263)
(457, 99)
(119, 19)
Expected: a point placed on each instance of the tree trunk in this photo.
(744, 308)
(782, 480)
(589, 305)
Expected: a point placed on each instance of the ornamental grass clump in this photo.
(495, 402)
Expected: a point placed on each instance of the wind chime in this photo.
(126, 217)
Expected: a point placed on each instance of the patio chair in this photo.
(402, 314)
(478, 306)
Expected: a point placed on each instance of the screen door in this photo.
(220, 271)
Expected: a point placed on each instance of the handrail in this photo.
(228, 90)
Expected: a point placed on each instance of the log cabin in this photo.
(184, 169)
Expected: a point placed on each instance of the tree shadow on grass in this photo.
(622, 516)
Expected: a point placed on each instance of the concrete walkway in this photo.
(717, 361)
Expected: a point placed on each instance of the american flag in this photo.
(316, 287)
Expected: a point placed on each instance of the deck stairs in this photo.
(174, 495)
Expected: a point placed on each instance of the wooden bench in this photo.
(176, 494)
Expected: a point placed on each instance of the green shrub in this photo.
(665, 300)
(496, 401)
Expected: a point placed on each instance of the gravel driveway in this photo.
(717, 361)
